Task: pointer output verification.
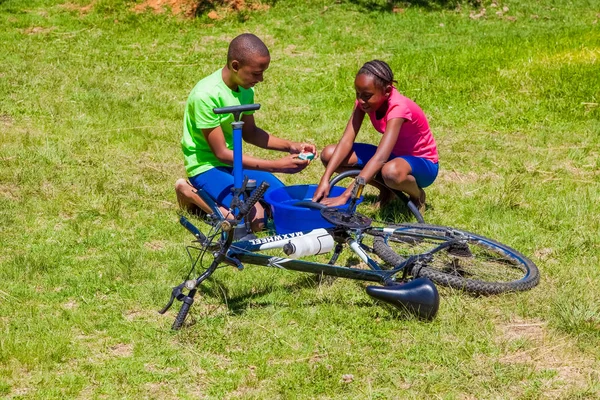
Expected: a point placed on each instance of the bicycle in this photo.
(406, 259)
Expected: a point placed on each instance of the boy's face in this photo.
(369, 95)
(249, 74)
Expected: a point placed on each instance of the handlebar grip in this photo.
(236, 109)
(190, 227)
(256, 195)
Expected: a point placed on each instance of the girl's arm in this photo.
(341, 152)
(344, 146)
(375, 164)
(384, 149)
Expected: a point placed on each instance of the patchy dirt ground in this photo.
(177, 7)
(189, 8)
(214, 9)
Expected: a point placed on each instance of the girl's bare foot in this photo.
(385, 197)
(419, 202)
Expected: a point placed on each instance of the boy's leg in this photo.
(188, 199)
(259, 215)
(217, 182)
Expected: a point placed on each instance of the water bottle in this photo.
(308, 245)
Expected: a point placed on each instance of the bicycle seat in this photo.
(419, 297)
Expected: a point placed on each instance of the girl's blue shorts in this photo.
(423, 170)
(218, 181)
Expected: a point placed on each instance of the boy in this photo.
(207, 141)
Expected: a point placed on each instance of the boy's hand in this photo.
(290, 164)
(297, 148)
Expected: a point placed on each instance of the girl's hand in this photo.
(322, 192)
(334, 201)
(290, 164)
(297, 148)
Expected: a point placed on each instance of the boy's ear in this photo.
(235, 65)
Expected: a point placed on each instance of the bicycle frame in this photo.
(419, 296)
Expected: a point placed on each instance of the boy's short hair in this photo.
(245, 47)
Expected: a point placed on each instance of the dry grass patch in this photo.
(467, 177)
(529, 342)
(10, 191)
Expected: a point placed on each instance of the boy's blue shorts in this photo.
(218, 181)
(423, 170)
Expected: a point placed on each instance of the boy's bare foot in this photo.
(385, 197)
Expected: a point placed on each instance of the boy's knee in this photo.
(180, 184)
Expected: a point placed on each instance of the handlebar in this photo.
(236, 109)
(256, 195)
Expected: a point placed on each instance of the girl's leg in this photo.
(352, 160)
(357, 159)
(410, 174)
(397, 175)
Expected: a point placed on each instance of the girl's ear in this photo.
(388, 90)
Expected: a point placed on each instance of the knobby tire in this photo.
(488, 267)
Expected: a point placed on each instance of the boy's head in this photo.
(373, 85)
(247, 58)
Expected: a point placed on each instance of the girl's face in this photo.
(370, 96)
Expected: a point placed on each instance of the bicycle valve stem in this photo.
(359, 184)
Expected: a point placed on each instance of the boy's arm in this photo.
(254, 135)
(217, 144)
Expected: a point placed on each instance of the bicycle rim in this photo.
(457, 259)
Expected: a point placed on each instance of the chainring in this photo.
(345, 219)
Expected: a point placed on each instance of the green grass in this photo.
(90, 122)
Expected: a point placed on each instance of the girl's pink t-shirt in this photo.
(415, 138)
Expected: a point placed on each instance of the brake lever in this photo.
(176, 293)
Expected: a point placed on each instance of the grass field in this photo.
(91, 106)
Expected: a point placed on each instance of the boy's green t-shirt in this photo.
(211, 92)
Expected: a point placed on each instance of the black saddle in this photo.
(419, 297)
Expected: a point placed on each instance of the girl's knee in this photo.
(327, 153)
(394, 174)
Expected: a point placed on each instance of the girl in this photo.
(406, 155)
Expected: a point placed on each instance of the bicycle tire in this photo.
(485, 266)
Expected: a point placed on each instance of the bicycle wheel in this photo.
(456, 258)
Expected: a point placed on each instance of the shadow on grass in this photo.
(394, 213)
(393, 6)
(238, 304)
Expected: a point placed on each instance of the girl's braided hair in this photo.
(380, 71)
